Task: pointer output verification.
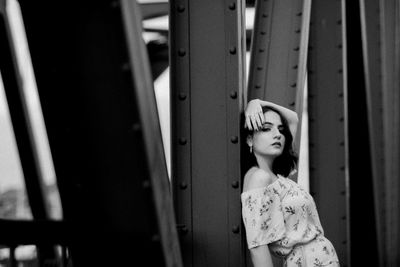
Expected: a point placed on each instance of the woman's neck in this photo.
(265, 163)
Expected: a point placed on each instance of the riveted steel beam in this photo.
(328, 142)
(275, 49)
(207, 79)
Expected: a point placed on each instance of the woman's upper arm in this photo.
(258, 178)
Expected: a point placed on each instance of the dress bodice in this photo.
(281, 214)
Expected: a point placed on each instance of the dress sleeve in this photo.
(262, 216)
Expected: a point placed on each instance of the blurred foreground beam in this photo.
(98, 102)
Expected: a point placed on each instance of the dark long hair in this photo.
(283, 164)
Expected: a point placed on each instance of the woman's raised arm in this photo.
(255, 117)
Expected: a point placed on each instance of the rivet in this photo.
(182, 96)
(232, 50)
(232, 6)
(339, 22)
(146, 184)
(297, 31)
(183, 185)
(341, 143)
(340, 94)
(184, 230)
(259, 68)
(341, 119)
(258, 86)
(233, 94)
(344, 242)
(296, 48)
(295, 67)
(234, 139)
(263, 32)
(136, 127)
(125, 67)
(340, 46)
(293, 85)
(181, 52)
(155, 238)
(235, 229)
(342, 168)
(343, 193)
(292, 104)
(182, 141)
(265, 15)
(261, 50)
(299, 14)
(340, 70)
(343, 218)
(235, 184)
(114, 4)
(181, 8)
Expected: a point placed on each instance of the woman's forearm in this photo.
(261, 257)
(290, 115)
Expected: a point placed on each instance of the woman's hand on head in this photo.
(254, 115)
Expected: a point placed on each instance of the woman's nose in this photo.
(277, 134)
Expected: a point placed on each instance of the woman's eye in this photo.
(266, 129)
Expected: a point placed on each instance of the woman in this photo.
(279, 216)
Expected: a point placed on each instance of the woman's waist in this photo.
(283, 247)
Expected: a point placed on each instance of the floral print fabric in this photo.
(281, 215)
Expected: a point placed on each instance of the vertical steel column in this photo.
(327, 116)
(371, 38)
(275, 50)
(390, 21)
(207, 79)
(360, 165)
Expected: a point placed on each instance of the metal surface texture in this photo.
(372, 59)
(328, 143)
(390, 24)
(206, 128)
(360, 165)
(96, 93)
(275, 48)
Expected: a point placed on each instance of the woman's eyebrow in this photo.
(270, 123)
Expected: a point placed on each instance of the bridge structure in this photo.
(335, 62)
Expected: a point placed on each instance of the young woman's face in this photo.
(269, 141)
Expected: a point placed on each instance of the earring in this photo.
(251, 149)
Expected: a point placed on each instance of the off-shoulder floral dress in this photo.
(284, 216)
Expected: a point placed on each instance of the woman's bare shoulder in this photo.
(255, 178)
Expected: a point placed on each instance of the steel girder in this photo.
(276, 46)
(372, 59)
(390, 52)
(327, 122)
(98, 102)
(207, 79)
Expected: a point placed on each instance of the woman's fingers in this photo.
(254, 122)
(258, 121)
(248, 123)
(261, 116)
